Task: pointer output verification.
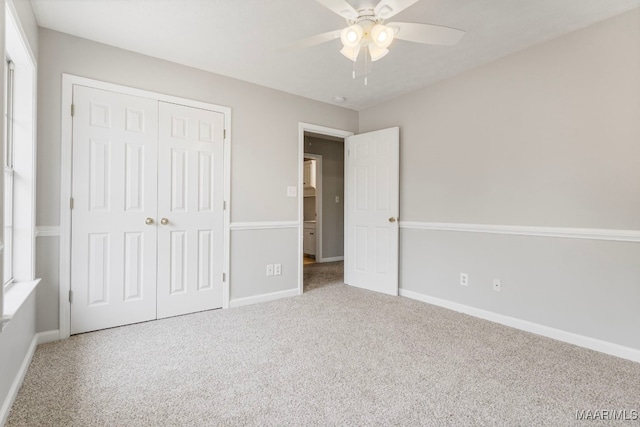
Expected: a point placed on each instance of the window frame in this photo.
(24, 162)
(9, 175)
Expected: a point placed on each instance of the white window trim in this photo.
(9, 173)
(18, 49)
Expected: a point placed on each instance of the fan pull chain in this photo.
(366, 69)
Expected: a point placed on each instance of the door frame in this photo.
(318, 159)
(66, 182)
(320, 130)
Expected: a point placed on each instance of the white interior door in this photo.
(373, 186)
(190, 208)
(113, 271)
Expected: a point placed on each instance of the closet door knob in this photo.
(392, 219)
(164, 221)
(148, 221)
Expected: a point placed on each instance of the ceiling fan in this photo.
(366, 29)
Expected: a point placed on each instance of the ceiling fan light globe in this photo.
(382, 35)
(377, 52)
(351, 52)
(351, 36)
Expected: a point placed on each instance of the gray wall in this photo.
(15, 341)
(252, 251)
(264, 152)
(18, 334)
(332, 185)
(545, 137)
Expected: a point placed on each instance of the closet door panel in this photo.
(190, 208)
(113, 249)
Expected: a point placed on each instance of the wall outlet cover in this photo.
(464, 279)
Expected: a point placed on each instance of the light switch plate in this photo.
(292, 191)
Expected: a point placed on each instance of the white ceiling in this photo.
(240, 38)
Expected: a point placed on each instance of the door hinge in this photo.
(224, 133)
(224, 277)
(73, 110)
(70, 296)
(71, 203)
(224, 205)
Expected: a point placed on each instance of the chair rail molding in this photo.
(47, 231)
(264, 225)
(521, 230)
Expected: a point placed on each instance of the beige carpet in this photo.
(333, 356)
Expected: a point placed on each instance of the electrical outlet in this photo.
(269, 269)
(277, 269)
(337, 199)
(497, 285)
(464, 279)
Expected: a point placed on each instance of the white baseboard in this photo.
(48, 336)
(535, 328)
(332, 259)
(39, 338)
(263, 298)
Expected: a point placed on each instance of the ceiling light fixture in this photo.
(382, 35)
(351, 52)
(352, 36)
(377, 37)
(372, 35)
(377, 52)
(366, 29)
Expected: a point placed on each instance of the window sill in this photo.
(15, 297)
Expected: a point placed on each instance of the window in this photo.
(8, 177)
(18, 178)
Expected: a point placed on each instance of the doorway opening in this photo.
(322, 213)
(312, 208)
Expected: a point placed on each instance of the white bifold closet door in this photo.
(190, 205)
(147, 217)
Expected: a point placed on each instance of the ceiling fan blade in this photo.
(388, 8)
(427, 33)
(312, 41)
(341, 7)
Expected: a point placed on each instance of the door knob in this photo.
(164, 221)
(148, 221)
(392, 219)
